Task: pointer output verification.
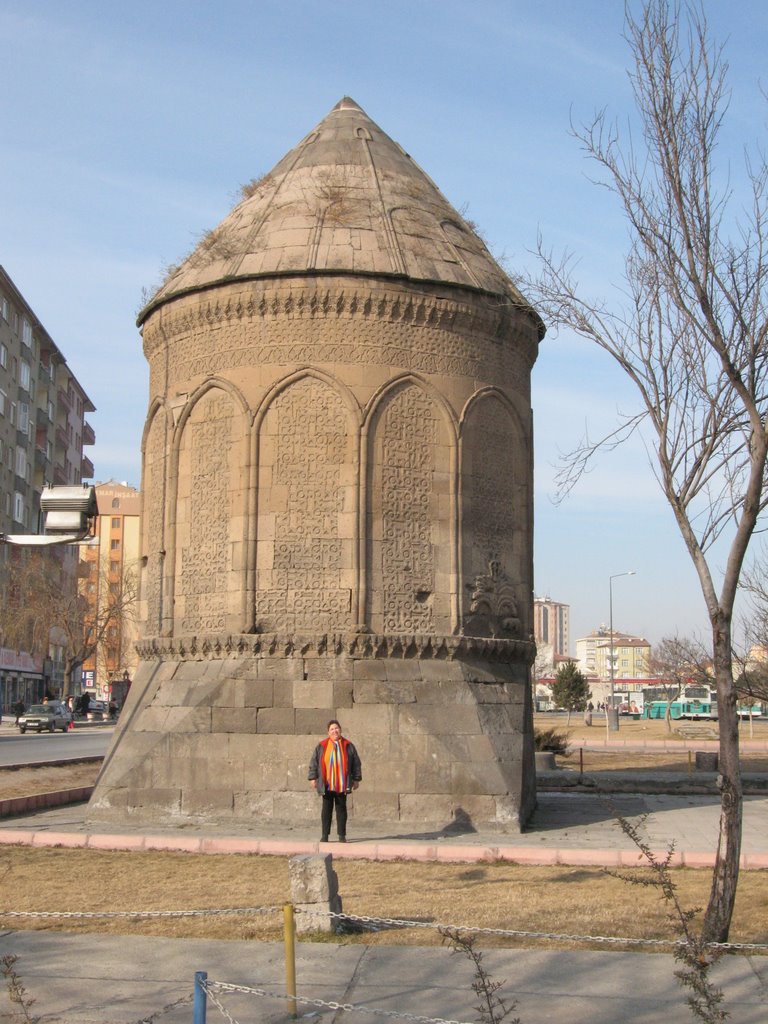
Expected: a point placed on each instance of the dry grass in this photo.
(584, 901)
(49, 779)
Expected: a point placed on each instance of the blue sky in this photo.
(128, 128)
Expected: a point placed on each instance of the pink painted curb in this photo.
(364, 850)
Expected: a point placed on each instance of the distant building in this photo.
(42, 433)
(631, 656)
(551, 631)
(108, 567)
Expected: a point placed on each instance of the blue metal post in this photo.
(200, 997)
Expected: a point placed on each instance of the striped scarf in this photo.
(335, 765)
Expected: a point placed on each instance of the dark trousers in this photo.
(339, 800)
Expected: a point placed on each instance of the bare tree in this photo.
(670, 663)
(45, 606)
(689, 329)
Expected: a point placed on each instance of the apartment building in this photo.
(42, 434)
(631, 655)
(551, 630)
(109, 575)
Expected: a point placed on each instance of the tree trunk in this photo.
(717, 918)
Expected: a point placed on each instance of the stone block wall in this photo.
(443, 741)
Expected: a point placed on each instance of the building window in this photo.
(24, 374)
(18, 507)
(4, 309)
(116, 523)
(26, 332)
(3, 356)
(115, 503)
(23, 424)
(3, 400)
(114, 545)
(21, 463)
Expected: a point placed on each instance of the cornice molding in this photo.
(361, 646)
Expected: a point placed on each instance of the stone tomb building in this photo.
(337, 520)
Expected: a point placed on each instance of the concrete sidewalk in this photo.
(81, 979)
(567, 828)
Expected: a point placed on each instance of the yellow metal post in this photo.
(289, 932)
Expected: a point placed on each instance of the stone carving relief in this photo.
(493, 609)
(402, 570)
(304, 568)
(203, 515)
(495, 515)
(428, 335)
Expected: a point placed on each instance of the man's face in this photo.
(334, 731)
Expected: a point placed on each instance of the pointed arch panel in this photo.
(409, 518)
(495, 517)
(209, 520)
(306, 501)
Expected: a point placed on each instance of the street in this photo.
(31, 748)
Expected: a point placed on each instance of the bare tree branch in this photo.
(689, 330)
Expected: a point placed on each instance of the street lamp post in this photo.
(612, 718)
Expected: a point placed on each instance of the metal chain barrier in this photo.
(393, 922)
(223, 986)
(213, 912)
(389, 922)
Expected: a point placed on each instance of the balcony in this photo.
(62, 397)
(59, 476)
(89, 436)
(86, 470)
(41, 416)
(41, 459)
(62, 439)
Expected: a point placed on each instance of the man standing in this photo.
(334, 771)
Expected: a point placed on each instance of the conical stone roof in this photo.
(346, 200)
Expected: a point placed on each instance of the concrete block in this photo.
(258, 693)
(367, 669)
(478, 778)
(275, 720)
(281, 668)
(433, 810)
(253, 805)
(438, 721)
(373, 807)
(381, 691)
(392, 777)
(210, 802)
(233, 720)
(188, 719)
(313, 721)
(313, 693)
(329, 668)
(368, 720)
(343, 693)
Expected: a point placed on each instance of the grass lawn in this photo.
(583, 901)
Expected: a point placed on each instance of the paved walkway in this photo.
(101, 979)
(567, 828)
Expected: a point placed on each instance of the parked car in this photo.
(97, 711)
(50, 717)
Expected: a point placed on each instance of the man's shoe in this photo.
(342, 839)
(323, 839)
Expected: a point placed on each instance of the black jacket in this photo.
(353, 761)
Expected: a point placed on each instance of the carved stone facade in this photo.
(337, 520)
